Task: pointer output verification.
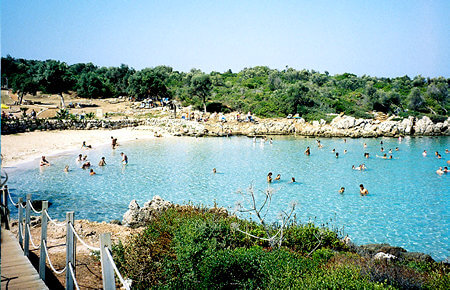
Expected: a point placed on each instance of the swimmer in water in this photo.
(337, 154)
(214, 170)
(278, 177)
(85, 146)
(124, 158)
(86, 165)
(396, 149)
(424, 153)
(345, 151)
(390, 151)
(334, 150)
(271, 141)
(363, 191)
(44, 162)
(307, 151)
(439, 156)
(446, 151)
(365, 145)
(84, 158)
(341, 190)
(445, 169)
(382, 149)
(91, 172)
(269, 177)
(102, 162)
(292, 179)
(113, 142)
(66, 168)
(80, 158)
(366, 155)
(440, 171)
(356, 168)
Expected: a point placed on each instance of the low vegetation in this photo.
(197, 248)
(263, 91)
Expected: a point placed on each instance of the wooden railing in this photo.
(109, 268)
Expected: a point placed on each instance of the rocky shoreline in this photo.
(340, 126)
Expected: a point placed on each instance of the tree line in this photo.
(263, 91)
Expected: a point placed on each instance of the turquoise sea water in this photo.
(407, 205)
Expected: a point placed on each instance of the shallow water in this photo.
(407, 205)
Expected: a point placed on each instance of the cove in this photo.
(407, 204)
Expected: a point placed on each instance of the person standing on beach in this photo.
(124, 158)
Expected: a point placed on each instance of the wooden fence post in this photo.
(20, 221)
(70, 250)
(6, 209)
(26, 248)
(107, 269)
(43, 256)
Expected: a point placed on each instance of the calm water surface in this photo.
(408, 204)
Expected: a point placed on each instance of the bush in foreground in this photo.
(189, 247)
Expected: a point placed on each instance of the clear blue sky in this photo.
(380, 38)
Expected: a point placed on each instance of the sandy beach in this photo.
(25, 147)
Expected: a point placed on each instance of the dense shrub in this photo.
(307, 237)
(197, 248)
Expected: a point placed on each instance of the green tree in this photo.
(117, 78)
(415, 99)
(55, 78)
(23, 84)
(145, 83)
(92, 85)
(201, 87)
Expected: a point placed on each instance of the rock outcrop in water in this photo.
(137, 216)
